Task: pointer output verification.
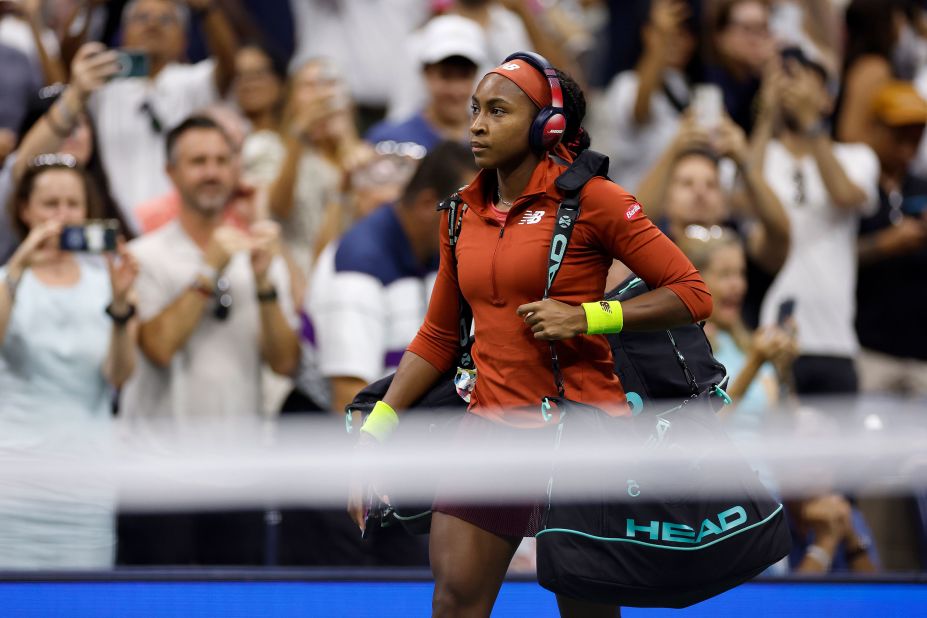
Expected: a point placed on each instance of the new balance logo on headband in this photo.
(512, 66)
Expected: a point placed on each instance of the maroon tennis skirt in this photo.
(510, 520)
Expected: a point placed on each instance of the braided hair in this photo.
(575, 137)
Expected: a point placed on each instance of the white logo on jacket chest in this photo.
(530, 217)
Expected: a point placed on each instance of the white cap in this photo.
(451, 35)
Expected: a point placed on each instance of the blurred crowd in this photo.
(225, 209)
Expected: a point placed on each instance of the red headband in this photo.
(531, 81)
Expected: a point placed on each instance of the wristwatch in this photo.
(120, 318)
(821, 127)
(267, 296)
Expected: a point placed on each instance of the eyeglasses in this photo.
(403, 149)
(751, 28)
(55, 159)
(223, 299)
(165, 20)
(703, 233)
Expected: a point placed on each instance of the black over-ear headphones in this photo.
(548, 127)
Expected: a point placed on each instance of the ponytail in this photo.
(575, 137)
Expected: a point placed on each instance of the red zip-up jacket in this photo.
(500, 267)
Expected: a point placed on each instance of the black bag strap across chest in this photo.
(587, 166)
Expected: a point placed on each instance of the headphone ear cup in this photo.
(547, 129)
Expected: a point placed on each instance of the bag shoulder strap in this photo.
(571, 181)
(455, 208)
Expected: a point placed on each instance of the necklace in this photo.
(502, 201)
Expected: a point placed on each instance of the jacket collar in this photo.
(479, 194)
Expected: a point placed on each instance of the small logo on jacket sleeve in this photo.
(634, 210)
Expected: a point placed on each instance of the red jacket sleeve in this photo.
(436, 340)
(626, 232)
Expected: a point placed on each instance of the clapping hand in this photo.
(265, 245)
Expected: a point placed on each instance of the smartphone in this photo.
(131, 64)
(707, 106)
(786, 311)
(95, 236)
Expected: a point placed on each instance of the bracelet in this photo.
(820, 555)
(11, 283)
(603, 317)
(381, 422)
(199, 13)
(198, 285)
(818, 129)
(861, 549)
(120, 318)
(267, 297)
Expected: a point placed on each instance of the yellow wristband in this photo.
(381, 422)
(603, 317)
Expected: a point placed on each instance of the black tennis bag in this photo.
(653, 535)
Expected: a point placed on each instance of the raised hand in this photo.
(730, 141)
(666, 18)
(39, 245)
(801, 96)
(93, 65)
(123, 270)
(691, 136)
(265, 245)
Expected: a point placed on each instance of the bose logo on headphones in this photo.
(555, 131)
(512, 66)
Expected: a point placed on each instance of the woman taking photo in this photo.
(519, 118)
(67, 336)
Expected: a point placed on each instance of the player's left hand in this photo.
(553, 320)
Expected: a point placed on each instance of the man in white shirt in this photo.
(214, 300)
(215, 304)
(132, 115)
(824, 188)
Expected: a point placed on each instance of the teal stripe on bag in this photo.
(655, 545)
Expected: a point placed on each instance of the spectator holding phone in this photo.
(695, 182)
(156, 91)
(639, 115)
(56, 122)
(743, 46)
(893, 251)
(824, 188)
(320, 151)
(259, 86)
(67, 337)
